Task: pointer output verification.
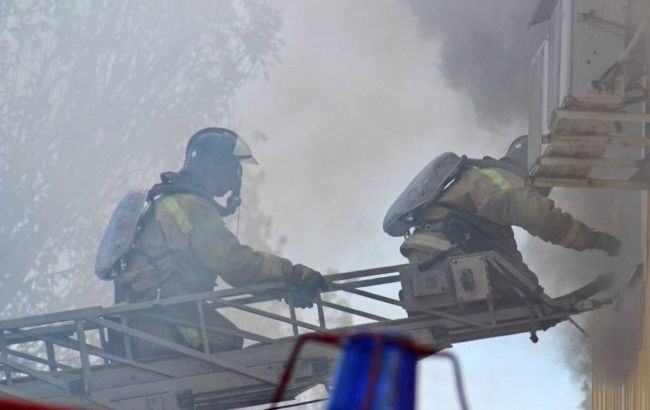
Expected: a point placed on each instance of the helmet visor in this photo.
(242, 152)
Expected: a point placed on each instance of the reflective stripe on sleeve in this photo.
(178, 213)
(496, 177)
(191, 336)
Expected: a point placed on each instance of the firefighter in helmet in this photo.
(457, 206)
(182, 244)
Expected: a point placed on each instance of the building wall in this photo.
(634, 392)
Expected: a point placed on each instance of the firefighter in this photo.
(457, 206)
(183, 244)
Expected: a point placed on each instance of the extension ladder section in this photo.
(66, 357)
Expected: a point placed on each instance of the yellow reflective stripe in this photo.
(496, 177)
(191, 336)
(178, 213)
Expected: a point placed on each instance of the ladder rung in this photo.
(605, 116)
(595, 140)
(589, 162)
(590, 183)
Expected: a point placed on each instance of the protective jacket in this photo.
(184, 240)
(476, 213)
(182, 247)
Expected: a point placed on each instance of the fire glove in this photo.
(308, 283)
(607, 243)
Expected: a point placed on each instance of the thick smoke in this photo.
(613, 331)
(354, 111)
(350, 111)
(486, 50)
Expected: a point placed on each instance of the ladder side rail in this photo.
(370, 282)
(212, 328)
(268, 315)
(71, 344)
(353, 311)
(13, 392)
(219, 388)
(293, 322)
(395, 302)
(183, 350)
(51, 318)
(24, 331)
(93, 350)
(69, 328)
(107, 378)
(37, 374)
(97, 311)
(364, 283)
(367, 272)
(356, 284)
(247, 371)
(516, 322)
(14, 337)
(509, 321)
(53, 366)
(84, 350)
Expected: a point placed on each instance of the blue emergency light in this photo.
(375, 372)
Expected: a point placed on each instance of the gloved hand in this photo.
(607, 243)
(308, 283)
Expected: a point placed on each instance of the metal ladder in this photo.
(64, 357)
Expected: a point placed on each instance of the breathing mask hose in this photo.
(234, 200)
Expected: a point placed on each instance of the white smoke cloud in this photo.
(356, 108)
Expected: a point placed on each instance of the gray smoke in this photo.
(88, 113)
(484, 51)
(486, 48)
(613, 331)
(350, 112)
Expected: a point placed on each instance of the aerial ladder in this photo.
(66, 357)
